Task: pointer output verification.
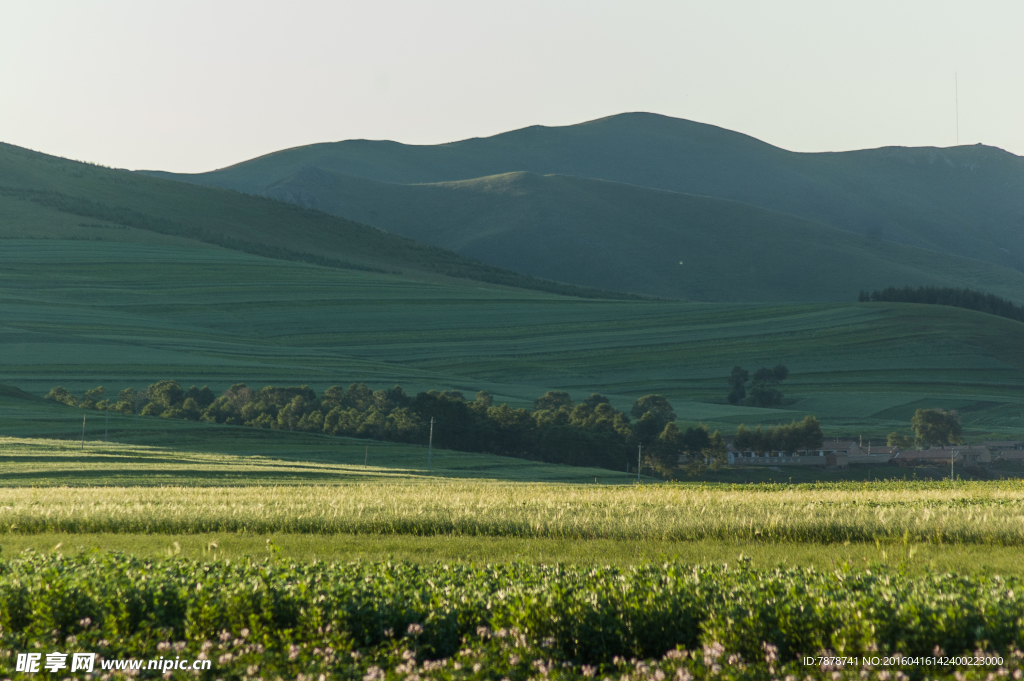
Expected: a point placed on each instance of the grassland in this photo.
(120, 314)
(237, 456)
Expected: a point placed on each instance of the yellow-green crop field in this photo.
(965, 513)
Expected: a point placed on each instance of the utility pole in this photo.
(430, 447)
(84, 416)
(366, 455)
(952, 454)
(106, 428)
(639, 449)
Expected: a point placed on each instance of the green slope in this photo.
(116, 314)
(105, 279)
(628, 238)
(48, 197)
(962, 200)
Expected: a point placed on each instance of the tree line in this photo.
(953, 297)
(590, 432)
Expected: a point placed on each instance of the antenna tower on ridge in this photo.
(956, 99)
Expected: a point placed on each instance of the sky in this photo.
(192, 86)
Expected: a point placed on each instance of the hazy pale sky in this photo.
(193, 86)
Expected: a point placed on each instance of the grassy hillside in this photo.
(111, 278)
(630, 238)
(963, 200)
(85, 313)
(44, 197)
(202, 455)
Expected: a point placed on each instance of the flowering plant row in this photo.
(517, 620)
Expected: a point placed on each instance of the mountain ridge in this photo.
(966, 200)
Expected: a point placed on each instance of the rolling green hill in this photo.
(965, 201)
(44, 196)
(628, 238)
(118, 314)
(116, 279)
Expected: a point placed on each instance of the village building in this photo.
(843, 453)
(750, 458)
(969, 454)
(872, 454)
(1006, 450)
(831, 453)
(937, 456)
(924, 457)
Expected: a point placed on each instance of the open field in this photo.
(897, 512)
(82, 314)
(204, 455)
(246, 457)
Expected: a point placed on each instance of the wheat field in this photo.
(945, 513)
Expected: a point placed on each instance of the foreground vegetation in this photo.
(276, 619)
(482, 595)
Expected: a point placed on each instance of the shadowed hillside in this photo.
(45, 197)
(964, 200)
(629, 238)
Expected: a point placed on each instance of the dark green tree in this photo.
(936, 427)
(737, 385)
(764, 390)
(61, 395)
(898, 439)
(203, 397)
(166, 394)
(552, 399)
(191, 409)
(715, 452)
(654, 404)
